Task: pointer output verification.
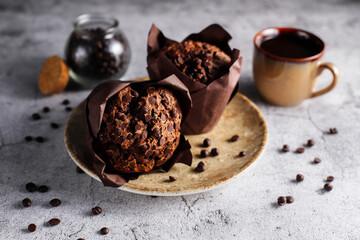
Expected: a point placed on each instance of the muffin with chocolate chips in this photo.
(200, 61)
(140, 129)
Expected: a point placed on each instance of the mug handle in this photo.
(334, 71)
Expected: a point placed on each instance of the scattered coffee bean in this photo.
(310, 143)
(285, 148)
(81, 239)
(54, 125)
(153, 196)
(26, 202)
(328, 187)
(43, 189)
(104, 231)
(300, 150)
(55, 202)
(215, 152)
(68, 109)
(299, 177)
(32, 227)
(242, 154)
(200, 167)
(204, 153)
(96, 210)
(207, 142)
(46, 109)
(79, 170)
(289, 199)
(54, 221)
(281, 201)
(36, 116)
(317, 160)
(40, 139)
(30, 187)
(330, 179)
(28, 138)
(172, 179)
(333, 131)
(234, 138)
(66, 102)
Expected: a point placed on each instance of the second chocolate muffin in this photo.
(200, 61)
(140, 129)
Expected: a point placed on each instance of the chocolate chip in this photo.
(173, 113)
(172, 179)
(285, 148)
(310, 143)
(122, 117)
(333, 131)
(54, 221)
(43, 189)
(148, 118)
(81, 239)
(46, 109)
(66, 102)
(206, 142)
(40, 139)
(96, 210)
(330, 179)
(317, 160)
(289, 199)
(234, 138)
(32, 227)
(79, 170)
(55, 202)
(26, 202)
(170, 128)
(300, 150)
(328, 187)
(126, 98)
(68, 109)
(152, 100)
(161, 141)
(135, 93)
(36, 116)
(214, 152)
(299, 177)
(138, 127)
(54, 125)
(144, 147)
(123, 125)
(157, 135)
(200, 167)
(163, 117)
(281, 200)
(28, 138)
(104, 231)
(149, 153)
(204, 153)
(30, 187)
(242, 154)
(129, 136)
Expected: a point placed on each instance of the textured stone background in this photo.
(30, 31)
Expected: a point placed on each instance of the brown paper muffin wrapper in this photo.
(93, 113)
(209, 101)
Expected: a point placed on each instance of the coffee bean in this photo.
(299, 177)
(32, 227)
(234, 138)
(328, 187)
(204, 153)
(300, 150)
(104, 231)
(310, 143)
(289, 199)
(54, 221)
(172, 179)
(215, 152)
(330, 179)
(43, 189)
(46, 109)
(30, 187)
(317, 160)
(66, 102)
(36, 116)
(285, 148)
(54, 125)
(153, 196)
(55, 202)
(40, 139)
(206, 142)
(96, 210)
(333, 131)
(68, 109)
(281, 201)
(28, 138)
(242, 154)
(26, 202)
(81, 239)
(79, 170)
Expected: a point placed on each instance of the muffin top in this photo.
(200, 61)
(140, 129)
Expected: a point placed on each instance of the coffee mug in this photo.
(286, 64)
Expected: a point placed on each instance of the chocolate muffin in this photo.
(200, 61)
(140, 129)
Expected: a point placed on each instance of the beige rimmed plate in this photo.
(240, 117)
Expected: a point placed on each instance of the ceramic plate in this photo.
(240, 117)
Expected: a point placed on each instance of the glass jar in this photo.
(97, 50)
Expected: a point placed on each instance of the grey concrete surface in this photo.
(30, 31)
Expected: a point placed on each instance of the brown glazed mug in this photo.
(286, 64)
